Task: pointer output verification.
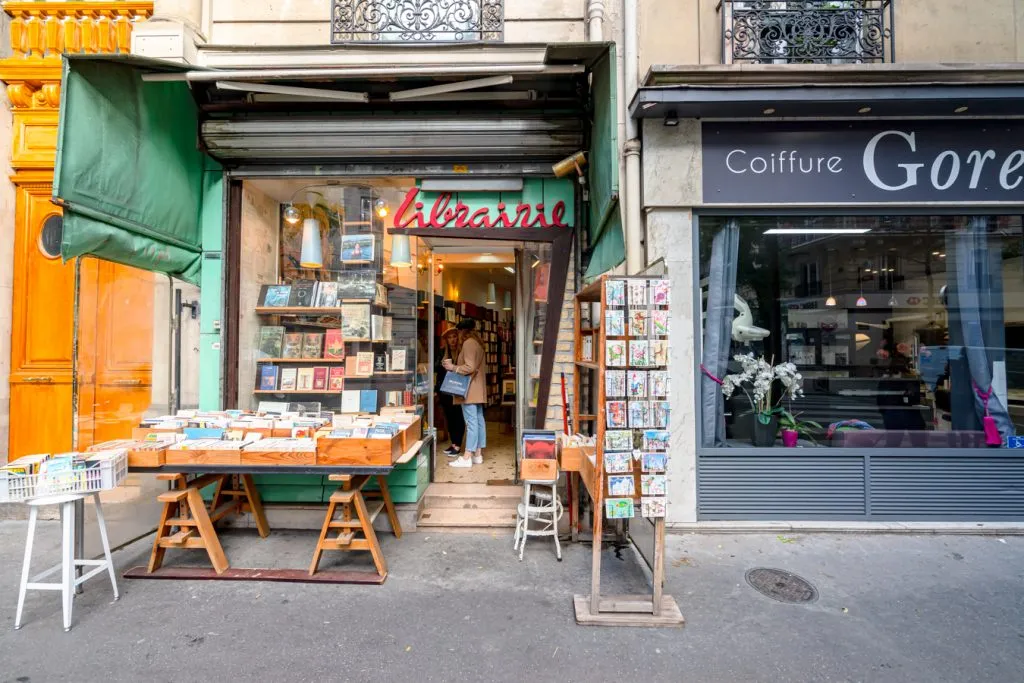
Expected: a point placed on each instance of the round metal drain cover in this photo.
(781, 585)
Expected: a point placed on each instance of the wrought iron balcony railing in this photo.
(807, 31)
(417, 21)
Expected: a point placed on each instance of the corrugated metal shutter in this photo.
(949, 488)
(783, 487)
(457, 137)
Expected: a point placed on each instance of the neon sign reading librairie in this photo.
(442, 214)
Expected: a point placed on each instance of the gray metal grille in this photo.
(807, 31)
(417, 21)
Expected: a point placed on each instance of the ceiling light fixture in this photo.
(671, 118)
(816, 231)
(769, 111)
(864, 110)
(960, 110)
(510, 269)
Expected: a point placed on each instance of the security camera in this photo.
(566, 166)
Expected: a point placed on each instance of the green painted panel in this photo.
(289, 480)
(294, 494)
(607, 247)
(560, 190)
(406, 494)
(209, 372)
(211, 300)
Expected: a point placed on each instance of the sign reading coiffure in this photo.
(870, 162)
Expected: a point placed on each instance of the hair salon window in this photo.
(876, 331)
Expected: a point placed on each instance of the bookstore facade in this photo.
(335, 245)
(858, 305)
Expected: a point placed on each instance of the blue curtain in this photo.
(718, 330)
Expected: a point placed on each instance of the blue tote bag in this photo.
(456, 384)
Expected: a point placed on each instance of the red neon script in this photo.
(443, 215)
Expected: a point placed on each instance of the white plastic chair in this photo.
(542, 507)
(69, 563)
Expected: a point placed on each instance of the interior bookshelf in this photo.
(496, 330)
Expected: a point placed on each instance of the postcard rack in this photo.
(621, 381)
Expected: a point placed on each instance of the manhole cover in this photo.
(781, 585)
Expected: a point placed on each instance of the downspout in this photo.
(631, 201)
(595, 21)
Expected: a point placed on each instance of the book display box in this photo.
(621, 397)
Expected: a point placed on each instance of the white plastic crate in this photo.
(107, 474)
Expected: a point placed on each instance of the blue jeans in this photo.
(476, 429)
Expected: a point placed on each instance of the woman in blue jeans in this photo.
(471, 362)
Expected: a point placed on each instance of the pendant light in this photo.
(507, 305)
(292, 215)
(861, 301)
(311, 255)
(492, 297)
(831, 300)
(400, 252)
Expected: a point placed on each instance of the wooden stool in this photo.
(186, 523)
(350, 496)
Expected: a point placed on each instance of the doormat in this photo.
(280, 575)
(500, 482)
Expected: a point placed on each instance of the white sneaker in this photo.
(478, 459)
(461, 461)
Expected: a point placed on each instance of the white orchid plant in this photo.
(760, 375)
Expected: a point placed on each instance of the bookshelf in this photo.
(496, 330)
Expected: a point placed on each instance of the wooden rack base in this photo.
(349, 499)
(627, 610)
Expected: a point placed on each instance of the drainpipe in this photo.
(633, 225)
(595, 21)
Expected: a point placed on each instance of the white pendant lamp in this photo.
(507, 305)
(311, 255)
(400, 252)
(492, 297)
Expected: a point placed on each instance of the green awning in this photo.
(607, 247)
(129, 171)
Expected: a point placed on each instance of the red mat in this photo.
(283, 575)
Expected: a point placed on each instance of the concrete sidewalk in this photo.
(462, 607)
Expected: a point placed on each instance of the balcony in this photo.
(807, 31)
(417, 21)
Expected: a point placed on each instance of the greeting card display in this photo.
(653, 484)
(654, 462)
(638, 323)
(615, 292)
(618, 440)
(614, 323)
(652, 507)
(618, 463)
(660, 411)
(639, 353)
(639, 414)
(621, 485)
(615, 383)
(615, 353)
(616, 415)
(660, 292)
(638, 293)
(637, 383)
(659, 323)
(658, 353)
(658, 383)
(656, 440)
(618, 508)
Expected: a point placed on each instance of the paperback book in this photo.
(357, 284)
(304, 381)
(334, 344)
(288, 379)
(268, 377)
(302, 293)
(292, 345)
(320, 378)
(271, 341)
(312, 345)
(355, 321)
(368, 401)
(398, 359)
(350, 401)
(364, 363)
(276, 296)
(327, 295)
(587, 350)
(336, 378)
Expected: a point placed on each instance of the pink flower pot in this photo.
(789, 438)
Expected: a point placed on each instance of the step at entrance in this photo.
(470, 506)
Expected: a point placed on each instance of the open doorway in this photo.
(477, 286)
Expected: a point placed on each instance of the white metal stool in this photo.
(69, 563)
(542, 507)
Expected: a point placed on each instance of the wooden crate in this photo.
(278, 457)
(202, 457)
(147, 458)
(411, 434)
(571, 457)
(538, 470)
(358, 451)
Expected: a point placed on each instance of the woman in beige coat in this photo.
(471, 362)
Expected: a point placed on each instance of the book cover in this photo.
(380, 362)
(638, 323)
(288, 379)
(660, 413)
(618, 508)
(615, 353)
(659, 383)
(334, 344)
(350, 401)
(268, 377)
(653, 507)
(659, 323)
(614, 383)
(621, 485)
(357, 248)
(320, 378)
(271, 341)
(660, 290)
(636, 383)
(377, 327)
(336, 378)
(292, 345)
(659, 352)
(539, 446)
(355, 321)
(542, 274)
(618, 463)
(312, 345)
(398, 359)
(302, 293)
(327, 295)
(614, 323)
(616, 415)
(351, 365)
(277, 296)
(368, 401)
(639, 354)
(357, 284)
(639, 414)
(615, 292)
(637, 293)
(386, 330)
(654, 462)
(380, 297)
(364, 363)
(304, 380)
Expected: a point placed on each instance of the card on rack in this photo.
(615, 353)
(304, 380)
(653, 507)
(653, 484)
(334, 344)
(618, 463)
(618, 508)
(364, 363)
(312, 345)
(639, 353)
(357, 248)
(398, 359)
(653, 462)
(614, 293)
(614, 323)
(327, 295)
(320, 378)
(636, 383)
(276, 296)
(268, 377)
(616, 415)
(658, 383)
(614, 383)
(292, 345)
(656, 440)
(660, 413)
(302, 293)
(618, 440)
(620, 485)
(336, 378)
(639, 414)
(271, 341)
(659, 323)
(638, 323)
(637, 293)
(368, 401)
(660, 290)
(288, 378)
(350, 401)
(659, 352)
